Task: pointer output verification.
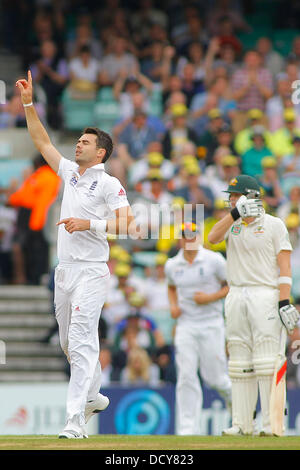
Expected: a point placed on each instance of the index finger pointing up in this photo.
(29, 77)
(63, 221)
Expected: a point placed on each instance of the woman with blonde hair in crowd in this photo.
(139, 368)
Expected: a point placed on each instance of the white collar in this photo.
(98, 166)
(199, 256)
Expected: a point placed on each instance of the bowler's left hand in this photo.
(75, 225)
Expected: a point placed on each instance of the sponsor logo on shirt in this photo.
(122, 192)
(74, 180)
(179, 272)
(259, 229)
(93, 185)
(236, 229)
(91, 189)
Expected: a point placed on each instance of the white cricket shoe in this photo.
(95, 406)
(72, 432)
(233, 431)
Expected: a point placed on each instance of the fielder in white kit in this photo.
(93, 204)
(196, 284)
(257, 307)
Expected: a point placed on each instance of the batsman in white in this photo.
(196, 284)
(93, 204)
(257, 307)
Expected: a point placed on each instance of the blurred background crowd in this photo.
(193, 93)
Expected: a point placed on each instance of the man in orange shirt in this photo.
(34, 198)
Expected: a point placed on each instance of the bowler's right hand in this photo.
(25, 87)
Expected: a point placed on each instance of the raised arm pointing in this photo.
(36, 129)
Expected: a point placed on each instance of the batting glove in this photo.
(289, 316)
(247, 208)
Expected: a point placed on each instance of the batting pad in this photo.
(264, 356)
(244, 386)
(244, 400)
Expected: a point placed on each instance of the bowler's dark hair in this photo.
(103, 141)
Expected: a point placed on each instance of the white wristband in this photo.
(98, 226)
(285, 280)
(27, 104)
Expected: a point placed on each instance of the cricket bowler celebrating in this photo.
(258, 312)
(196, 286)
(93, 204)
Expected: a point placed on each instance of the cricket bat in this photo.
(278, 390)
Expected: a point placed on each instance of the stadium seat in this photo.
(12, 169)
(165, 323)
(106, 109)
(249, 40)
(156, 105)
(78, 118)
(283, 40)
(106, 114)
(5, 149)
(77, 113)
(105, 94)
(260, 20)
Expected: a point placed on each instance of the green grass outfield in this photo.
(177, 443)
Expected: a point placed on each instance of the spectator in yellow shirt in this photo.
(282, 139)
(220, 210)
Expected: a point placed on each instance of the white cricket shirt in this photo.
(206, 274)
(94, 195)
(252, 251)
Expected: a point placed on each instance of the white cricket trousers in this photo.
(253, 329)
(198, 348)
(80, 292)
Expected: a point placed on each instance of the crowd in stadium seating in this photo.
(194, 93)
